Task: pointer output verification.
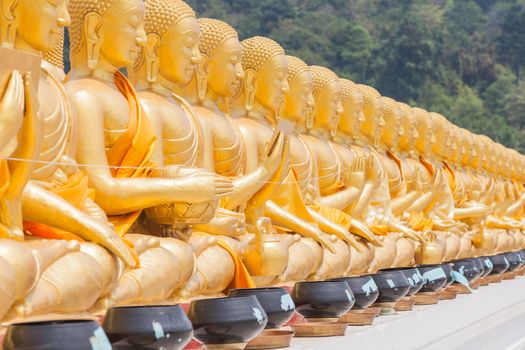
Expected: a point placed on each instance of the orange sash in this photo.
(130, 154)
(242, 278)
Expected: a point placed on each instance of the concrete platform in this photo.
(493, 317)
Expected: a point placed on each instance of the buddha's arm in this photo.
(472, 212)
(341, 199)
(397, 227)
(258, 185)
(400, 204)
(281, 217)
(11, 110)
(42, 206)
(364, 200)
(516, 207)
(123, 195)
(332, 228)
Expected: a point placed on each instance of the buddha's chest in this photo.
(328, 164)
(116, 117)
(57, 131)
(180, 138)
(301, 161)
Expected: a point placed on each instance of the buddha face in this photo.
(179, 51)
(352, 116)
(299, 100)
(393, 130)
(426, 138)
(328, 106)
(40, 22)
(272, 82)
(224, 68)
(122, 33)
(374, 121)
(407, 139)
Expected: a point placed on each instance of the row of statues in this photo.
(217, 163)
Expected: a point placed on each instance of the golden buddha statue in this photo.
(256, 110)
(376, 203)
(56, 202)
(107, 35)
(356, 170)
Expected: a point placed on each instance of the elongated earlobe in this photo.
(249, 89)
(92, 25)
(151, 57)
(201, 76)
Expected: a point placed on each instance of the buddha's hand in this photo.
(418, 184)
(205, 186)
(373, 170)
(11, 108)
(277, 155)
(439, 182)
(230, 225)
(356, 174)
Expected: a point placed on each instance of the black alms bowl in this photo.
(327, 299)
(414, 277)
(148, 327)
(56, 335)
(392, 285)
(514, 260)
(480, 266)
(434, 277)
(233, 320)
(364, 289)
(500, 264)
(487, 264)
(447, 268)
(468, 268)
(276, 302)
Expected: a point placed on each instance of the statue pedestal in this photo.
(489, 318)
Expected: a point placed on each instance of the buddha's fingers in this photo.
(117, 246)
(365, 233)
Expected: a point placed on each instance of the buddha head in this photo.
(467, 151)
(373, 110)
(299, 100)
(477, 160)
(426, 129)
(106, 34)
(265, 75)
(487, 161)
(327, 96)
(408, 137)
(453, 151)
(220, 72)
(353, 115)
(442, 135)
(172, 46)
(37, 24)
(393, 129)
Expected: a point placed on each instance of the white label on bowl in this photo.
(417, 277)
(391, 283)
(489, 263)
(411, 282)
(434, 274)
(258, 315)
(349, 295)
(287, 302)
(461, 279)
(157, 328)
(369, 287)
(506, 261)
(99, 340)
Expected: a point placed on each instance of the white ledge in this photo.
(490, 318)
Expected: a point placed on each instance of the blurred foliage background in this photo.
(462, 58)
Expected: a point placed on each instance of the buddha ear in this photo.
(151, 56)
(8, 22)
(249, 88)
(201, 77)
(92, 24)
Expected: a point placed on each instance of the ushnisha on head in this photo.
(408, 139)
(36, 23)
(373, 110)
(106, 34)
(172, 47)
(266, 74)
(299, 100)
(220, 72)
(327, 93)
(353, 115)
(393, 129)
